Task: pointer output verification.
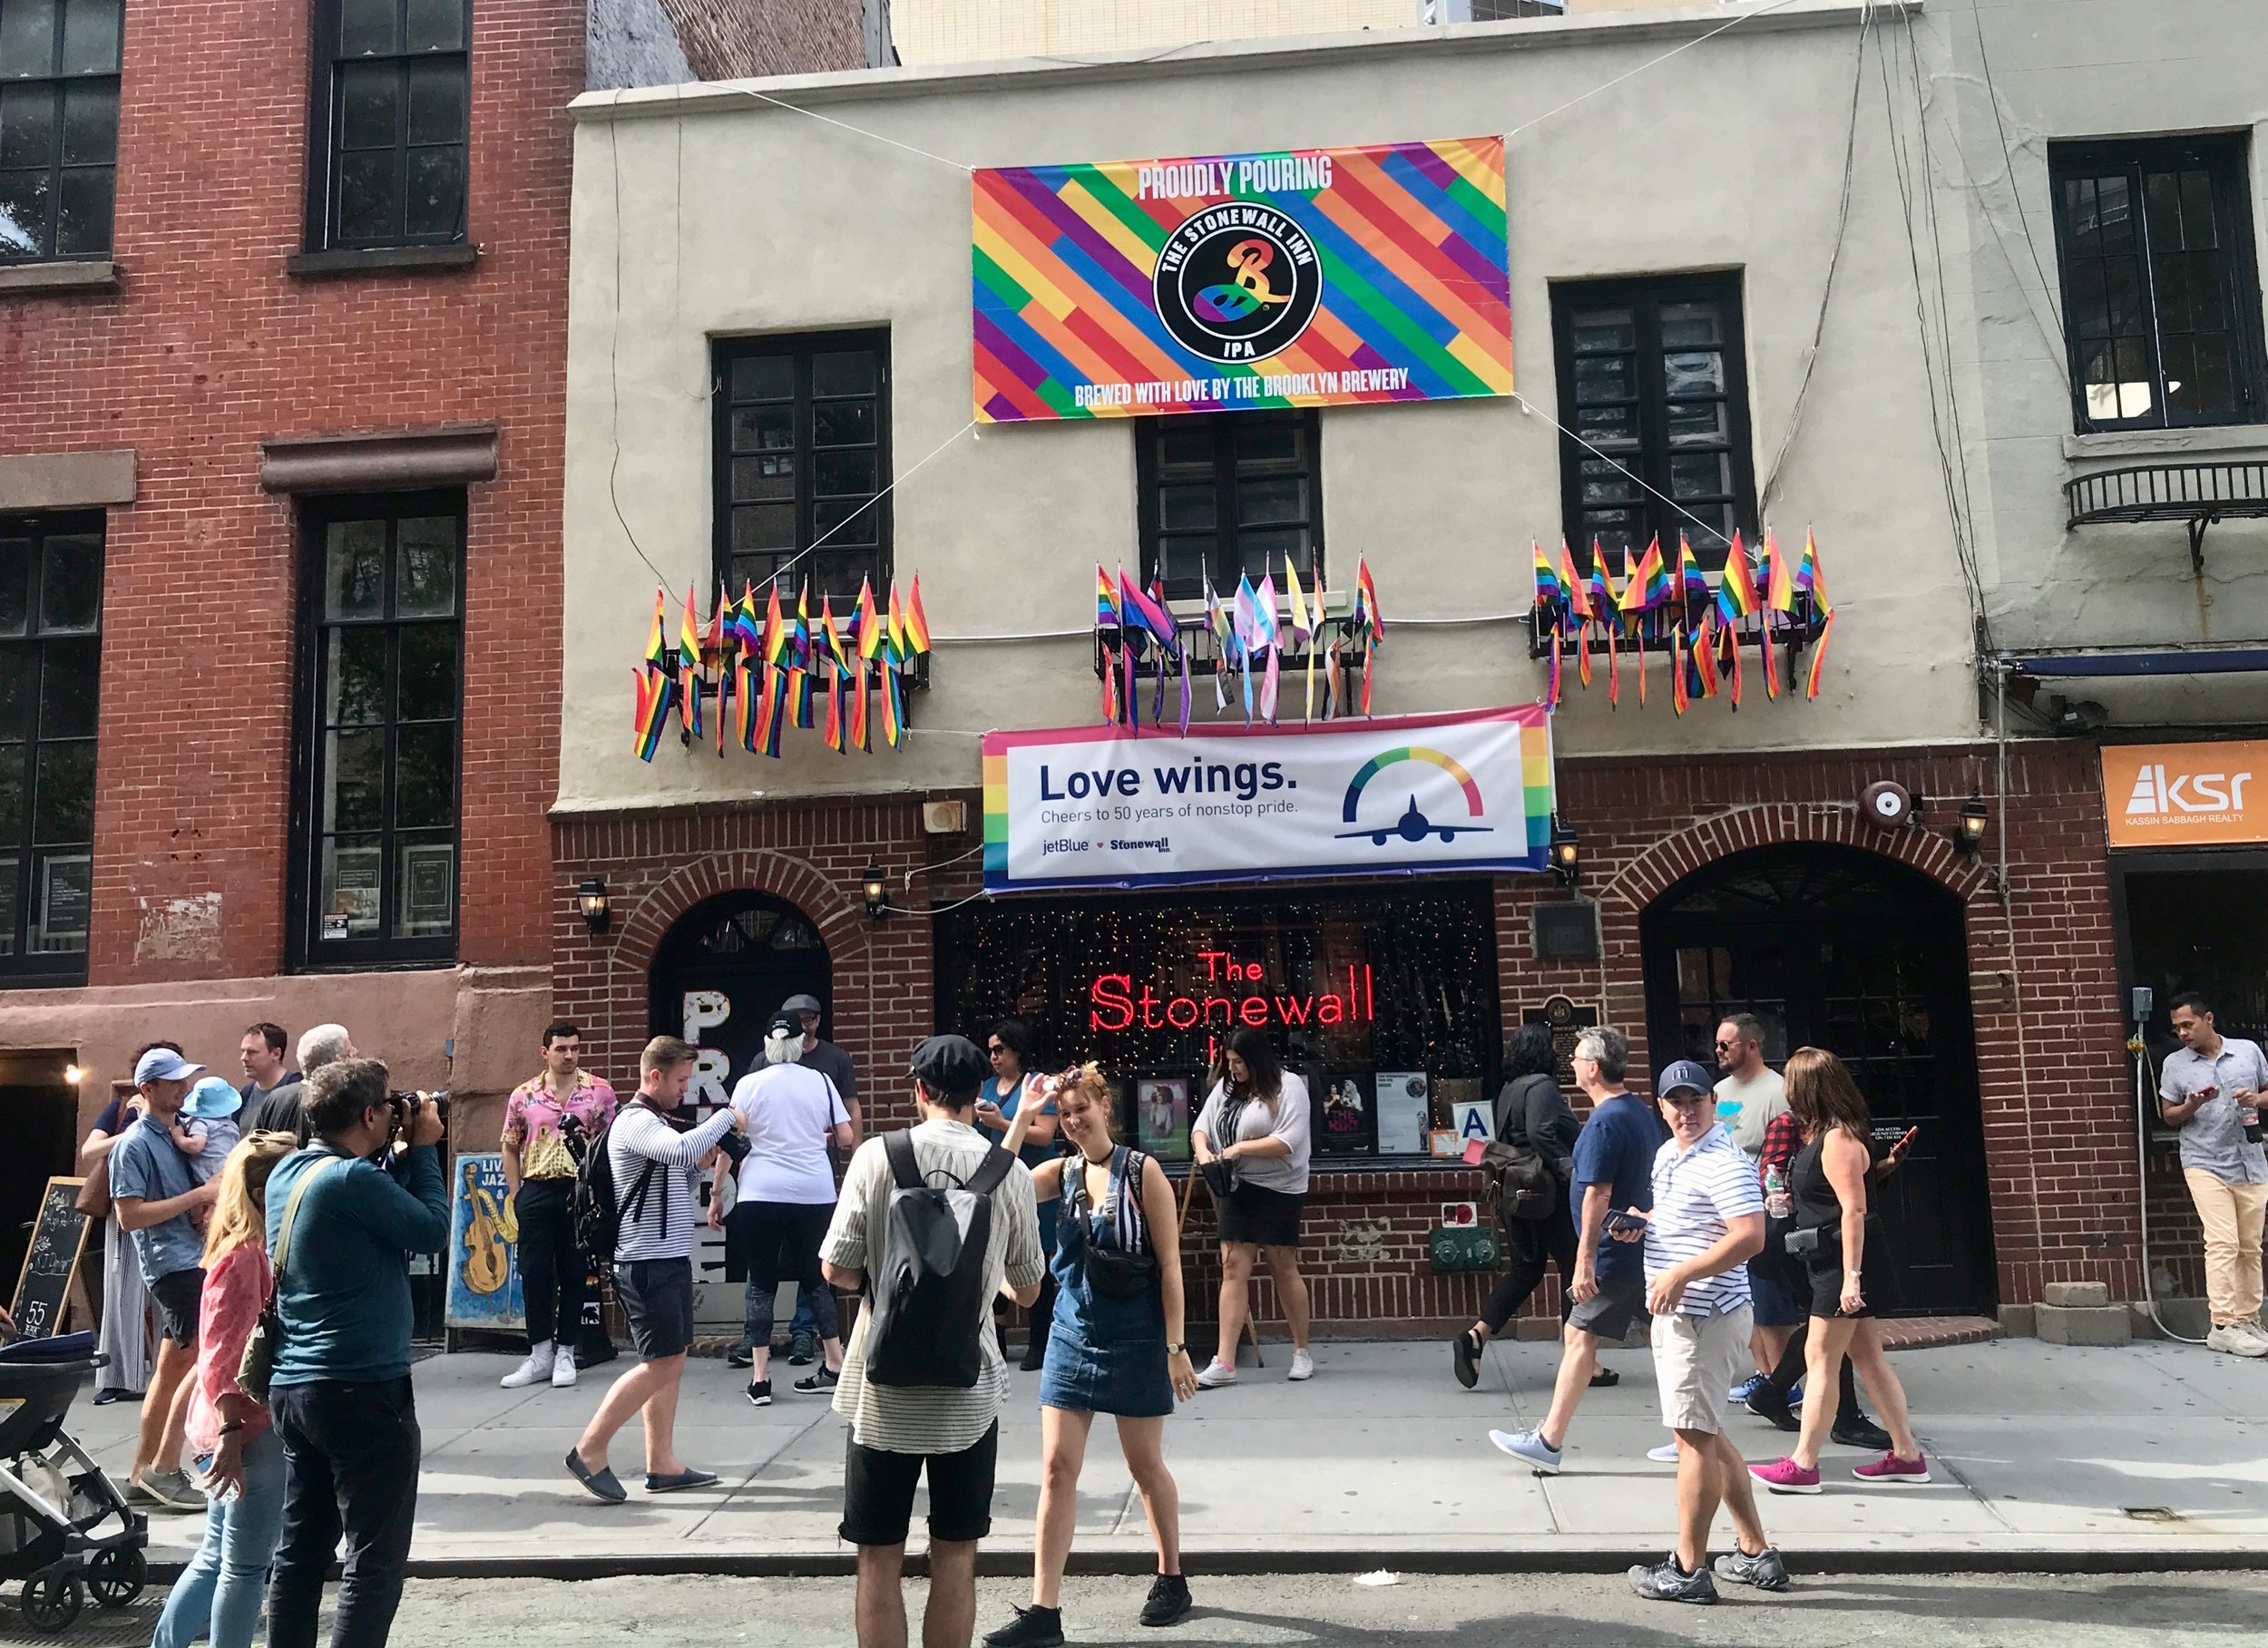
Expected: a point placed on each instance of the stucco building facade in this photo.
(1877, 284)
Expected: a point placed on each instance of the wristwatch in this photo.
(1177, 1350)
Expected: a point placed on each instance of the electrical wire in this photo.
(896, 481)
(614, 365)
(2145, 1092)
(1762, 11)
(1835, 258)
(1711, 528)
(2008, 161)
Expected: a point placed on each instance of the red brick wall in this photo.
(208, 348)
(2052, 1070)
(747, 39)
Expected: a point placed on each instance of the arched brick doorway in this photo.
(1836, 946)
(722, 970)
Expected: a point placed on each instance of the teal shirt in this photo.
(344, 1295)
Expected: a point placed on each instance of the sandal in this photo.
(1603, 1377)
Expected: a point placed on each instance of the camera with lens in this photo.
(404, 1105)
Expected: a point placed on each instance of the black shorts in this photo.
(878, 1493)
(1268, 1217)
(1610, 1312)
(1877, 1282)
(657, 1295)
(179, 1295)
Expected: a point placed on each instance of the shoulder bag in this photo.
(1115, 1272)
(257, 1367)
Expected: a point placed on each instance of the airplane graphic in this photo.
(1413, 826)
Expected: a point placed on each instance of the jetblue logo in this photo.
(2186, 794)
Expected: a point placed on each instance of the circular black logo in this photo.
(1238, 282)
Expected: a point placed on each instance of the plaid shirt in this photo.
(1782, 1139)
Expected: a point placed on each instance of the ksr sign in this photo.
(2185, 795)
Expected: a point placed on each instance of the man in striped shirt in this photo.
(1707, 1221)
(655, 1170)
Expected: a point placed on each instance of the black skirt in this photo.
(1269, 1218)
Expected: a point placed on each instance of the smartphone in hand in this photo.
(1626, 1224)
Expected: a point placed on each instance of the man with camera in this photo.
(340, 1392)
(2211, 1089)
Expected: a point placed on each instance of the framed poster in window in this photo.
(65, 884)
(428, 888)
(1161, 1113)
(1349, 1124)
(1405, 1113)
(358, 877)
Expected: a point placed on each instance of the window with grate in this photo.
(1229, 495)
(802, 453)
(392, 124)
(381, 670)
(58, 128)
(1654, 388)
(51, 608)
(2161, 296)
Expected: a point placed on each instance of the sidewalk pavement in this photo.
(2042, 1456)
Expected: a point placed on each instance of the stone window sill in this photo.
(2171, 444)
(380, 260)
(41, 279)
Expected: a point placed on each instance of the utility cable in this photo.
(2145, 1094)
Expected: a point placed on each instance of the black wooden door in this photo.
(742, 954)
(1835, 948)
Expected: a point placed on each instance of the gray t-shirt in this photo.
(2213, 1140)
(1760, 1097)
(1288, 1122)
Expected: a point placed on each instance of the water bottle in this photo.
(1776, 1201)
(2248, 1116)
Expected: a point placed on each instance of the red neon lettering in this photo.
(1150, 1021)
(1227, 1009)
(1293, 1010)
(1176, 1020)
(1115, 1000)
(1212, 958)
(1256, 1010)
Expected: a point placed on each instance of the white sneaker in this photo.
(1666, 1454)
(2237, 1340)
(533, 1371)
(563, 1369)
(1302, 1365)
(1217, 1374)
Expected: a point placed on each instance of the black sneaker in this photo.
(801, 1350)
(1764, 1570)
(1465, 1356)
(819, 1381)
(1032, 1628)
(1862, 1432)
(739, 1356)
(1766, 1403)
(1665, 1582)
(1168, 1601)
(759, 1393)
(1035, 1356)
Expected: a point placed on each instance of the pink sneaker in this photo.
(1787, 1476)
(1890, 1468)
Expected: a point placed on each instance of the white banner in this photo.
(1403, 794)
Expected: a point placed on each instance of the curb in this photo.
(1008, 1563)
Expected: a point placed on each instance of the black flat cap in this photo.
(951, 1064)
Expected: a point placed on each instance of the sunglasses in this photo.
(995, 1049)
(1726, 1046)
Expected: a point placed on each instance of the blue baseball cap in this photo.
(163, 1064)
(1684, 1075)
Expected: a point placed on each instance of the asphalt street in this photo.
(1541, 1611)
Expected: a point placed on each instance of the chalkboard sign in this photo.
(57, 1240)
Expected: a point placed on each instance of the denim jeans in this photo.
(350, 1456)
(221, 1589)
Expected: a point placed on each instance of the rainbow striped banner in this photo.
(1301, 278)
(1457, 792)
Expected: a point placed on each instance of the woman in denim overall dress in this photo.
(1116, 1346)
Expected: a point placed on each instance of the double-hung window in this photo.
(1227, 495)
(381, 670)
(51, 606)
(2161, 297)
(1654, 391)
(58, 128)
(802, 450)
(392, 124)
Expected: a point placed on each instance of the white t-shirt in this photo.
(790, 1108)
(1760, 1097)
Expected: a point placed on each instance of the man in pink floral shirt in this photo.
(540, 1179)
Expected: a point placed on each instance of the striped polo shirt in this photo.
(1697, 1192)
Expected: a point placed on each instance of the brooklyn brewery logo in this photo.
(1238, 282)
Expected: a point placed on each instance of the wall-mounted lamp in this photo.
(74, 1074)
(591, 898)
(1969, 830)
(1567, 853)
(877, 891)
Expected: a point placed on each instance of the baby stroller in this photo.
(64, 1529)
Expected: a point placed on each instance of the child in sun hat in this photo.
(207, 1130)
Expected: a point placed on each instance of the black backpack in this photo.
(596, 1211)
(928, 1290)
(1519, 1181)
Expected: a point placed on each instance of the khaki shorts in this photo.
(1696, 1358)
